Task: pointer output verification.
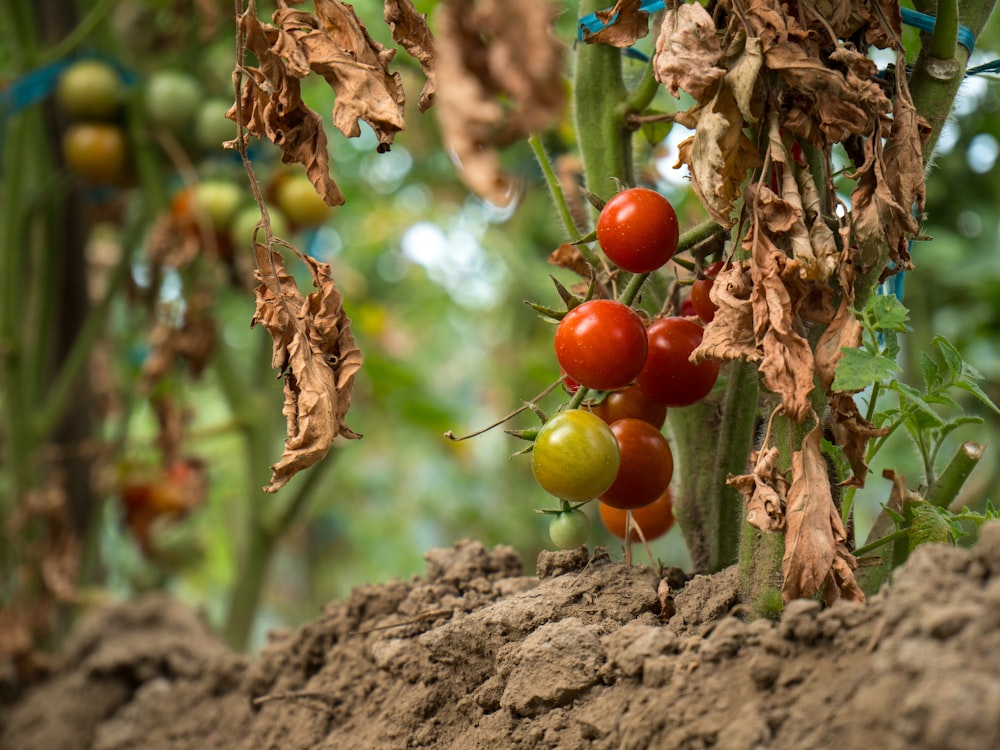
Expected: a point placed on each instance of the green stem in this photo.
(934, 86)
(599, 96)
(644, 92)
(945, 489)
(87, 25)
(555, 190)
(887, 539)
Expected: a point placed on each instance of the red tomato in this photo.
(601, 344)
(630, 403)
(638, 230)
(703, 305)
(654, 519)
(669, 377)
(647, 465)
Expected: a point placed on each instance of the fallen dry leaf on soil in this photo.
(314, 349)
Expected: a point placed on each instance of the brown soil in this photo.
(475, 655)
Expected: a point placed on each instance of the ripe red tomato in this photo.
(601, 344)
(700, 289)
(638, 230)
(647, 465)
(630, 403)
(655, 519)
(96, 151)
(668, 377)
(575, 456)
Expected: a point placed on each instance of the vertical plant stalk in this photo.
(599, 103)
(712, 439)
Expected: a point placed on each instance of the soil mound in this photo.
(477, 655)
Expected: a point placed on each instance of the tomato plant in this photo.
(569, 528)
(575, 456)
(89, 89)
(96, 151)
(171, 99)
(632, 403)
(654, 519)
(669, 377)
(601, 344)
(646, 468)
(700, 300)
(300, 202)
(638, 230)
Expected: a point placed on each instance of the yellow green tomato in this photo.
(89, 89)
(575, 456)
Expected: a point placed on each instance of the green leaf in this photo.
(973, 388)
(929, 525)
(915, 397)
(859, 368)
(886, 313)
(931, 372)
(952, 358)
(656, 130)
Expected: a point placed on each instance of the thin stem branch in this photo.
(555, 189)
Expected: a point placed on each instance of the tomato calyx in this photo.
(569, 299)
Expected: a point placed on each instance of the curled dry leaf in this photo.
(816, 553)
(765, 490)
(627, 24)
(851, 431)
(410, 30)
(493, 94)
(688, 51)
(568, 256)
(730, 334)
(314, 349)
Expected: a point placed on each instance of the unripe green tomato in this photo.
(172, 98)
(569, 529)
(211, 127)
(301, 204)
(218, 201)
(575, 456)
(89, 89)
(241, 231)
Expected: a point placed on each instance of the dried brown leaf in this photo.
(851, 431)
(730, 334)
(490, 93)
(409, 29)
(688, 51)
(271, 106)
(787, 364)
(341, 50)
(765, 490)
(843, 332)
(719, 154)
(314, 349)
(568, 256)
(627, 25)
(815, 541)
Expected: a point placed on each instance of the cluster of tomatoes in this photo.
(613, 448)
